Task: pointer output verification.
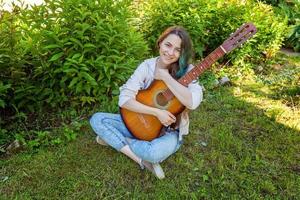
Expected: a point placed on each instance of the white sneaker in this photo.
(100, 141)
(155, 168)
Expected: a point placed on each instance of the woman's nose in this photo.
(171, 52)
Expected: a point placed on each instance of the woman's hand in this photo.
(161, 74)
(165, 117)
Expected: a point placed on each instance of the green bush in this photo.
(72, 52)
(155, 16)
(211, 22)
(293, 39)
(63, 53)
(10, 54)
(291, 10)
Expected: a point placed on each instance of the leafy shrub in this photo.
(293, 39)
(10, 54)
(155, 16)
(63, 54)
(73, 52)
(210, 23)
(271, 31)
(34, 139)
(291, 10)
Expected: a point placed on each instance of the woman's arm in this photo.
(181, 92)
(164, 116)
(138, 107)
(190, 96)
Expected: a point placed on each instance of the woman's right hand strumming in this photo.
(165, 117)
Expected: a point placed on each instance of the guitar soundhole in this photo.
(161, 100)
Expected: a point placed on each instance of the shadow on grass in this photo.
(290, 95)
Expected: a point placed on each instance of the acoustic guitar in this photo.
(147, 127)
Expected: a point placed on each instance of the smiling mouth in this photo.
(168, 58)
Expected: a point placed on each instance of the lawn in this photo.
(244, 143)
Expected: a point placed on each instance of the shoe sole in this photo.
(100, 141)
(158, 171)
(155, 169)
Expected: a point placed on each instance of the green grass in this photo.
(244, 143)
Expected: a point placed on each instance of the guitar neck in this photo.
(198, 70)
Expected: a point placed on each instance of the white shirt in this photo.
(143, 77)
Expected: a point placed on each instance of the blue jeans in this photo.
(111, 128)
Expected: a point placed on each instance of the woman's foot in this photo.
(155, 168)
(100, 141)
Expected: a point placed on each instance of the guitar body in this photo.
(148, 127)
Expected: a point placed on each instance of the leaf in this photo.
(87, 88)
(77, 42)
(72, 61)
(85, 26)
(58, 70)
(2, 103)
(84, 68)
(56, 141)
(56, 56)
(115, 92)
(89, 45)
(86, 99)
(79, 87)
(88, 77)
(52, 46)
(73, 82)
(3, 88)
(70, 70)
(76, 55)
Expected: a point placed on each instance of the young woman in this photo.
(175, 51)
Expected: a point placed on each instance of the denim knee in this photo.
(96, 122)
(156, 155)
(96, 117)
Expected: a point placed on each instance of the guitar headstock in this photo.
(239, 37)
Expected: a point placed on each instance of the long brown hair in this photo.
(179, 68)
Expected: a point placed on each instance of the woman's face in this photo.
(169, 49)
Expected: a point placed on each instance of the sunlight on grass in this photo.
(275, 109)
(275, 93)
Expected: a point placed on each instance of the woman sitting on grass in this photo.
(175, 51)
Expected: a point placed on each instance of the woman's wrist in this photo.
(154, 111)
